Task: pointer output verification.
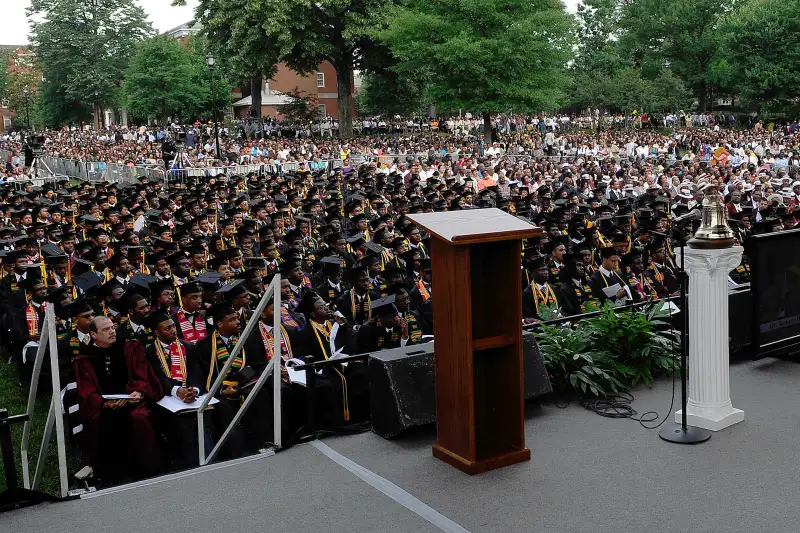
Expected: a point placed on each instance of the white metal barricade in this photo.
(274, 293)
(48, 347)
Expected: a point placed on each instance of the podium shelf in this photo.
(489, 343)
(472, 226)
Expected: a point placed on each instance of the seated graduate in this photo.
(331, 288)
(321, 338)
(260, 349)
(190, 318)
(237, 295)
(539, 300)
(179, 375)
(137, 309)
(575, 294)
(355, 304)
(388, 330)
(423, 287)
(119, 433)
(416, 324)
(607, 275)
(212, 353)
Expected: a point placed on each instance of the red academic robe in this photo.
(117, 437)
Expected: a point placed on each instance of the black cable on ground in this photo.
(619, 405)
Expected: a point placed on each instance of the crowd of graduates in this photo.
(154, 283)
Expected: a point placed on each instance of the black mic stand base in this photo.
(674, 432)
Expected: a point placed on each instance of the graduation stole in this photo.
(547, 298)
(219, 353)
(32, 318)
(173, 366)
(267, 338)
(382, 338)
(319, 332)
(191, 332)
(286, 318)
(307, 282)
(423, 291)
(587, 304)
(658, 275)
(413, 328)
(231, 242)
(368, 301)
(646, 286)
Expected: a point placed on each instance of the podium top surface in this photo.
(475, 226)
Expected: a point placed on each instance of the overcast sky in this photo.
(162, 15)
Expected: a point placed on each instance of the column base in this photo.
(713, 419)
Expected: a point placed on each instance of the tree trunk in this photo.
(487, 129)
(702, 98)
(255, 95)
(345, 101)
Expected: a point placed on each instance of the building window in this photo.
(320, 79)
(323, 110)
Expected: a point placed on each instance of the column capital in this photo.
(711, 261)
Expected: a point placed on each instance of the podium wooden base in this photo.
(484, 465)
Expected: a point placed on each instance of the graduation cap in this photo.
(356, 240)
(233, 290)
(307, 303)
(76, 308)
(87, 282)
(193, 287)
(209, 278)
(384, 307)
(608, 251)
(142, 280)
(82, 266)
(219, 311)
(332, 264)
(157, 317)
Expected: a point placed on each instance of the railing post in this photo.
(273, 287)
(278, 356)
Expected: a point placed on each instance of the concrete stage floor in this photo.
(587, 473)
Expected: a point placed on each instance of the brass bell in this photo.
(714, 231)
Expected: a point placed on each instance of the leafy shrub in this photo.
(609, 353)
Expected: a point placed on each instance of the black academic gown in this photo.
(599, 281)
(327, 292)
(374, 336)
(293, 395)
(572, 296)
(362, 308)
(179, 429)
(350, 384)
(530, 305)
(251, 434)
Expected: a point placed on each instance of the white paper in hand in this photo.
(612, 291)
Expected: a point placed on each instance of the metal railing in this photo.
(48, 345)
(274, 293)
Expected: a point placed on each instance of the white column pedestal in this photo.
(709, 404)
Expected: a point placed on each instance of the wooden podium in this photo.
(477, 305)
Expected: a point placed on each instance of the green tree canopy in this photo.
(309, 33)
(22, 92)
(234, 30)
(83, 48)
(167, 78)
(762, 52)
(486, 56)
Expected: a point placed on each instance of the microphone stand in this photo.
(672, 431)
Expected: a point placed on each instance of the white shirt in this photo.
(84, 338)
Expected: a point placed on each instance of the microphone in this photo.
(693, 214)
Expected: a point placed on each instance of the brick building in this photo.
(321, 84)
(18, 57)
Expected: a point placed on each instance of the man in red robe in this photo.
(120, 438)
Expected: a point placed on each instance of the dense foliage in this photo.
(609, 353)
